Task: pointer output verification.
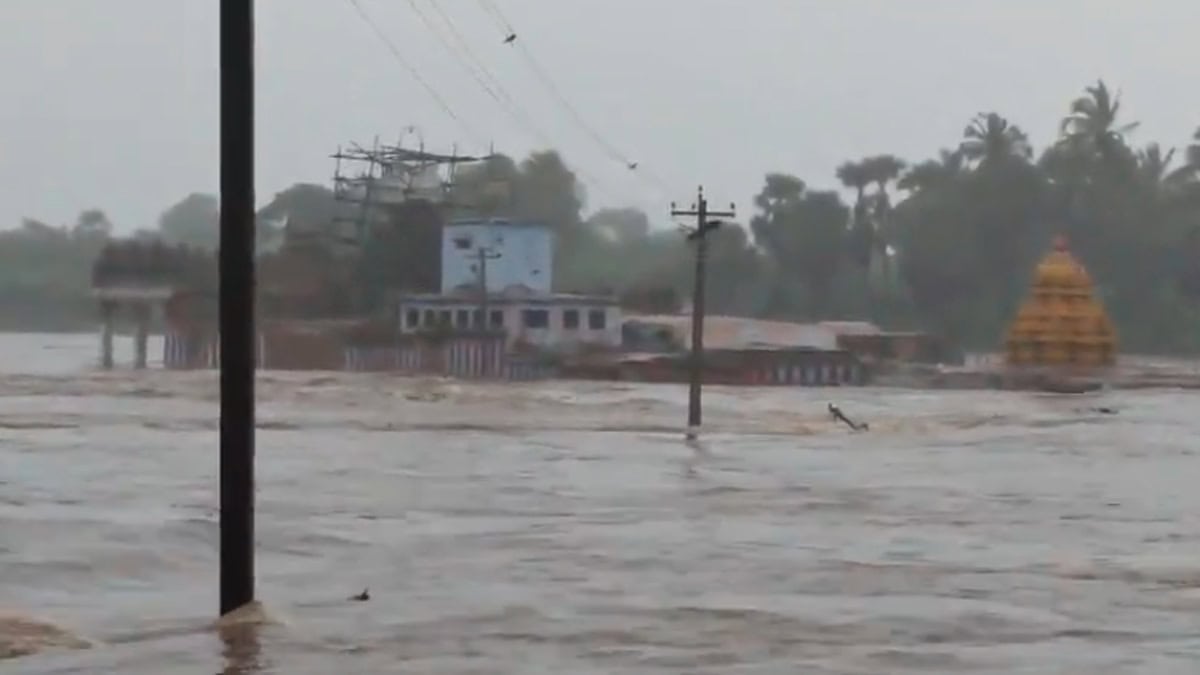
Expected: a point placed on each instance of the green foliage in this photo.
(45, 273)
(194, 221)
(946, 243)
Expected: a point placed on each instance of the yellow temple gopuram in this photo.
(1061, 323)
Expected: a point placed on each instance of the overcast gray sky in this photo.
(113, 103)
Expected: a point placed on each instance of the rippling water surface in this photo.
(567, 528)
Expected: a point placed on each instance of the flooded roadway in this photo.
(567, 528)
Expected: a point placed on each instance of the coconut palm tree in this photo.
(1154, 167)
(990, 139)
(1192, 154)
(1093, 123)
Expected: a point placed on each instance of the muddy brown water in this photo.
(567, 527)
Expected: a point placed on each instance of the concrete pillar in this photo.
(142, 334)
(107, 316)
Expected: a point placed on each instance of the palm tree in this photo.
(1093, 125)
(1187, 174)
(1192, 154)
(1172, 189)
(862, 240)
(1154, 166)
(989, 139)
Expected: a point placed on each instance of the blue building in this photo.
(519, 254)
(520, 300)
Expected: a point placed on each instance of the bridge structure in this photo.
(134, 280)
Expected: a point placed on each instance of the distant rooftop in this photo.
(851, 327)
(730, 332)
(512, 294)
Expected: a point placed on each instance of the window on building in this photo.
(463, 320)
(571, 319)
(445, 317)
(477, 318)
(412, 318)
(462, 243)
(497, 318)
(430, 318)
(536, 318)
(597, 319)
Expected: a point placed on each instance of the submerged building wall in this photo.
(466, 357)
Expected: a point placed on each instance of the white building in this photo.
(554, 322)
(519, 255)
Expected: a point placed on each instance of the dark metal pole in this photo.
(237, 333)
(484, 324)
(484, 254)
(697, 360)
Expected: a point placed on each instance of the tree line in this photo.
(945, 243)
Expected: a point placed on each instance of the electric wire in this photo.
(416, 74)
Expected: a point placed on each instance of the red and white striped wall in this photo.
(808, 375)
(182, 351)
(474, 358)
(467, 358)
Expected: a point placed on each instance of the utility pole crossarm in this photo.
(702, 213)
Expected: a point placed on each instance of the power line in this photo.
(470, 54)
(477, 73)
(493, 11)
(450, 48)
(511, 38)
(416, 74)
(498, 93)
(494, 89)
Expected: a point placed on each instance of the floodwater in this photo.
(568, 528)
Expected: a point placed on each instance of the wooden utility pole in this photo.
(699, 235)
(484, 254)
(237, 303)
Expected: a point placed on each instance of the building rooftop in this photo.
(728, 332)
(851, 327)
(522, 294)
(499, 222)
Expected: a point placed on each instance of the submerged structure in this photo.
(394, 270)
(1062, 323)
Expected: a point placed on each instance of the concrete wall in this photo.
(556, 335)
(525, 255)
(522, 320)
